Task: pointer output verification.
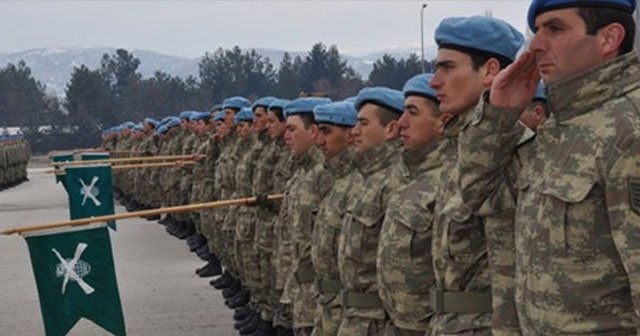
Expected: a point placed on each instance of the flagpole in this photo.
(136, 166)
(140, 158)
(143, 213)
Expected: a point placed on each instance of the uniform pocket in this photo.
(570, 216)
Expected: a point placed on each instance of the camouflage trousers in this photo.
(328, 315)
(449, 324)
(306, 331)
(356, 325)
(283, 315)
(304, 305)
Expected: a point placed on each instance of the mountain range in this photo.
(53, 66)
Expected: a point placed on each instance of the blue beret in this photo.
(185, 115)
(264, 102)
(304, 105)
(195, 116)
(138, 127)
(219, 116)
(129, 124)
(235, 103)
(278, 104)
(381, 96)
(162, 129)
(541, 6)
(165, 120)
(540, 95)
(341, 113)
(418, 85)
(173, 122)
(480, 35)
(352, 100)
(246, 114)
(151, 121)
(216, 108)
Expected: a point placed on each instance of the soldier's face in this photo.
(458, 86)
(332, 139)
(419, 125)
(368, 131)
(276, 127)
(260, 119)
(562, 46)
(244, 129)
(297, 137)
(229, 114)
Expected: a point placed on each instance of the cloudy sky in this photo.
(190, 28)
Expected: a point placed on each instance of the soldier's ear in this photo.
(491, 68)
(610, 38)
(443, 119)
(392, 130)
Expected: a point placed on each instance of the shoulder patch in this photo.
(634, 194)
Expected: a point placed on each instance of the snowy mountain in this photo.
(53, 66)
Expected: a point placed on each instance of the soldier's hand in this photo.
(178, 164)
(514, 87)
(261, 200)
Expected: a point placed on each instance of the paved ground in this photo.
(160, 293)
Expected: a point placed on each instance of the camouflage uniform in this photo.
(190, 144)
(577, 215)
(358, 240)
(228, 219)
(303, 196)
(404, 264)
(324, 247)
(461, 297)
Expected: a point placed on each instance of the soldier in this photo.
(577, 215)
(273, 171)
(467, 299)
(376, 142)
(302, 198)
(404, 264)
(334, 124)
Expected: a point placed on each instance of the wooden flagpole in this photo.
(143, 213)
(135, 166)
(124, 160)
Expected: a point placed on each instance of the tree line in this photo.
(115, 91)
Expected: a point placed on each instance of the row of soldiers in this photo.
(469, 203)
(15, 153)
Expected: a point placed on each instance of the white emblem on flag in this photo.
(74, 269)
(90, 191)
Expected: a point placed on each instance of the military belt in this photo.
(305, 274)
(460, 302)
(329, 286)
(407, 332)
(351, 299)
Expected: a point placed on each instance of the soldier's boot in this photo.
(196, 241)
(165, 220)
(212, 268)
(204, 254)
(240, 299)
(251, 326)
(242, 313)
(265, 328)
(249, 319)
(222, 282)
(282, 331)
(231, 291)
(173, 227)
(117, 194)
(188, 229)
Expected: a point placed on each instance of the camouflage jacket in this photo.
(404, 265)
(577, 218)
(458, 245)
(358, 239)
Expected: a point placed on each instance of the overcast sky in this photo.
(190, 28)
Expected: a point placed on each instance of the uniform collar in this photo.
(423, 159)
(378, 157)
(341, 164)
(589, 90)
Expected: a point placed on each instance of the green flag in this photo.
(90, 191)
(61, 158)
(76, 278)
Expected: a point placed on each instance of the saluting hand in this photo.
(514, 87)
